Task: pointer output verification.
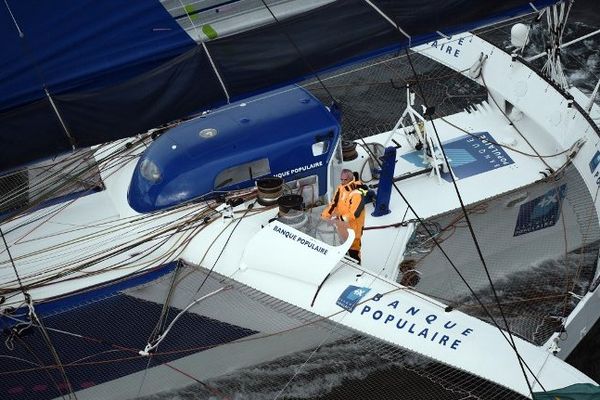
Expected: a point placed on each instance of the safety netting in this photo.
(538, 276)
(539, 243)
(335, 363)
(185, 325)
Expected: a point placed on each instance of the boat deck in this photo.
(482, 170)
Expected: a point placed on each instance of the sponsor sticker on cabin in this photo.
(468, 155)
(541, 212)
(351, 297)
(595, 161)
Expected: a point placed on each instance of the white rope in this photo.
(190, 19)
(556, 19)
(62, 122)
(390, 21)
(212, 63)
(562, 46)
(534, 7)
(21, 34)
(214, 67)
(149, 347)
(593, 97)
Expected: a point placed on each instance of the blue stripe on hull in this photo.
(123, 325)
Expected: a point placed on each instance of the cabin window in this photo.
(322, 143)
(242, 173)
(320, 148)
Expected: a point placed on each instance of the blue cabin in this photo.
(289, 134)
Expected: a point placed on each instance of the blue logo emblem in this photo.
(541, 212)
(595, 161)
(468, 156)
(351, 296)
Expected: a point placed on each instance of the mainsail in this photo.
(79, 74)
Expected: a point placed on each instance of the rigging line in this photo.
(14, 19)
(210, 59)
(452, 264)
(304, 60)
(298, 369)
(12, 261)
(471, 231)
(162, 320)
(26, 296)
(581, 255)
(42, 366)
(502, 145)
(590, 218)
(42, 81)
(216, 71)
(392, 22)
(250, 207)
(513, 124)
(151, 347)
(52, 349)
(213, 390)
(488, 313)
(561, 202)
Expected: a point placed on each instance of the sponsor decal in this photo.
(541, 212)
(449, 47)
(351, 297)
(594, 162)
(468, 156)
(297, 170)
(300, 239)
(407, 319)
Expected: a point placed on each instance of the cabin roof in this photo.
(252, 124)
(280, 126)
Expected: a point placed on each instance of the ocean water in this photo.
(584, 72)
(334, 372)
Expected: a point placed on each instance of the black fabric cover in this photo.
(249, 62)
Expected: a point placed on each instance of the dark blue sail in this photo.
(74, 74)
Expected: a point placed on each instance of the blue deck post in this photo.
(384, 191)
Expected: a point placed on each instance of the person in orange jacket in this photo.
(348, 207)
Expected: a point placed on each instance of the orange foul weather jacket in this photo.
(349, 205)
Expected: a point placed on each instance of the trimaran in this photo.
(164, 178)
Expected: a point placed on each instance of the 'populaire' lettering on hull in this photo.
(410, 320)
